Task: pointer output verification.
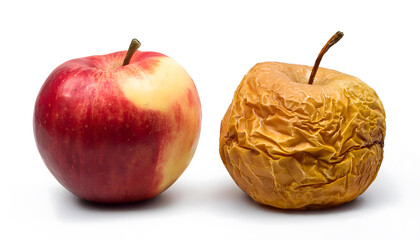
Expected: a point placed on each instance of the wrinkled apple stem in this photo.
(333, 40)
(135, 44)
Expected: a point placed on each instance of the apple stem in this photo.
(135, 44)
(333, 40)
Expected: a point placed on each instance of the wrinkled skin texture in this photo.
(292, 145)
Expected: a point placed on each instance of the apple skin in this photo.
(114, 134)
(292, 145)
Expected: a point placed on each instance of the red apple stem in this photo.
(135, 44)
(333, 40)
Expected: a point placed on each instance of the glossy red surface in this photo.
(97, 143)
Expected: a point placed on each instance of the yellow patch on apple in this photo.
(167, 78)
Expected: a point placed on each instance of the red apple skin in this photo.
(102, 145)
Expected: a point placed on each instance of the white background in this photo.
(217, 42)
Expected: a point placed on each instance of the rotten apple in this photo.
(297, 137)
(120, 127)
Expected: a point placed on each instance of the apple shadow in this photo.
(145, 205)
(71, 208)
(220, 197)
(354, 205)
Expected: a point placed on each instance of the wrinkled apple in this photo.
(296, 145)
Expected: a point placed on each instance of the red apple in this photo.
(116, 133)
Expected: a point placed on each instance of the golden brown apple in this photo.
(294, 145)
